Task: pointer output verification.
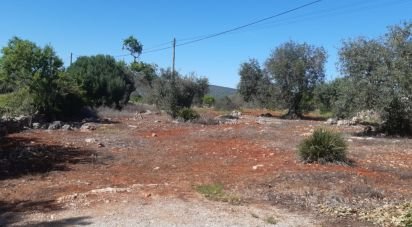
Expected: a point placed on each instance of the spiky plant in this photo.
(323, 146)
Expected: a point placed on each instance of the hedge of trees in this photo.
(376, 74)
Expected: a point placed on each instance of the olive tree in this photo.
(296, 70)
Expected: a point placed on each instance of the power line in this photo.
(249, 24)
(204, 37)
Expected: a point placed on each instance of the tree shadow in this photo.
(20, 156)
(23, 156)
(12, 212)
(76, 221)
(287, 117)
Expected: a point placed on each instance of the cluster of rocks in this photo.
(231, 118)
(342, 122)
(361, 118)
(14, 124)
(17, 124)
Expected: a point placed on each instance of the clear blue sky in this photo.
(88, 27)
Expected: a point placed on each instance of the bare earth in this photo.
(144, 172)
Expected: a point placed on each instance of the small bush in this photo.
(323, 146)
(188, 114)
(208, 100)
(397, 118)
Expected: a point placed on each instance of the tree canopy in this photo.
(105, 81)
(133, 46)
(296, 70)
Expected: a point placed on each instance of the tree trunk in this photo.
(294, 111)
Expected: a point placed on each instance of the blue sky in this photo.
(88, 27)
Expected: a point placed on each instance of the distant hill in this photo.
(220, 92)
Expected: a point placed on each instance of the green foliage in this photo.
(188, 114)
(174, 94)
(255, 85)
(17, 103)
(250, 76)
(377, 78)
(215, 192)
(367, 65)
(105, 82)
(397, 117)
(211, 190)
(323, 146)
(133, 46)
(296, 70)
(38, 81)
(208, 100)
(144, 73)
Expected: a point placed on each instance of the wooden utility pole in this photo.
(174, 56)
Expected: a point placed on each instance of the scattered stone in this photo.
(147, 112)
(55, 125)
(154, 134)
(100, 145)
(257, 166)
(331, 121)
(236, 114)
(345, 123)
(156, 168)
(158, 121)
(87, 127)
(90, 140)
(67, 127)
(36, 125)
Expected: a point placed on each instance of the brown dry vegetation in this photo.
(255, 160)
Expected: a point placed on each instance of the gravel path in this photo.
(169, 212)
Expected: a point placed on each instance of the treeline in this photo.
(376, 75)
(34, 81)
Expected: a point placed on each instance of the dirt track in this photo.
(158, 162)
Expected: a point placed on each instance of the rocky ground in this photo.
(145, 169)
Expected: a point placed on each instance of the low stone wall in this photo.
(12, 125)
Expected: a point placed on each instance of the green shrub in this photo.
(17, 103)
(323, 146)
(188, 114)
(105, 81)
(397, 118)
(208, 100)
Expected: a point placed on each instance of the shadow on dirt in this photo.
(285, 117)
(77, 221)
(13, 213)
(23, 156)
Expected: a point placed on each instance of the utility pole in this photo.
(174, 56)
(71, 58)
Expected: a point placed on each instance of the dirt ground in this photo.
(144, 171)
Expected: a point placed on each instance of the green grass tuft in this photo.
(323, 146)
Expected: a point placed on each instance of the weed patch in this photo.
(215, 192)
